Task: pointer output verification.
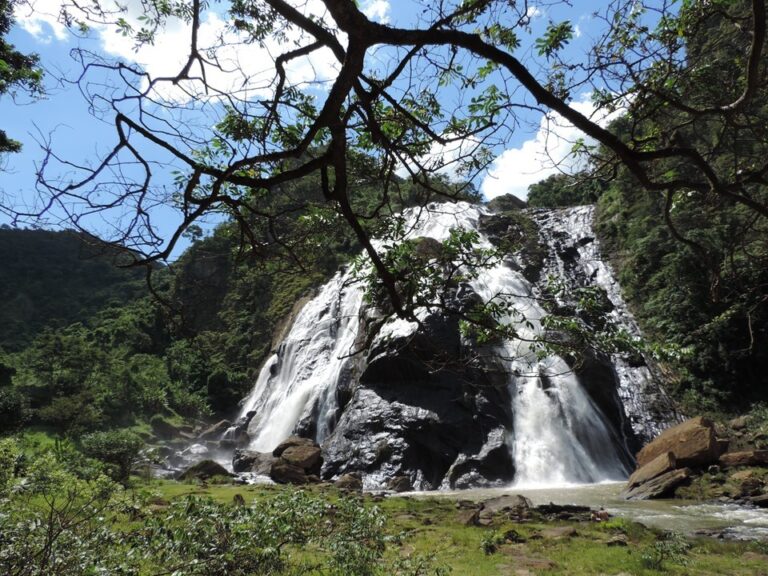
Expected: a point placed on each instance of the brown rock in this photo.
(284, 472)
(662, 464)
(507, 502)
(306, 457)
(292, 441)
(744, 458)
(658, 487)
(739, 423)
(559, 532)
(693, 443)
(468, 517)
(350, 482)
(400, 484)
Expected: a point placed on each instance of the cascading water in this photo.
(556, 434)
(299, 380)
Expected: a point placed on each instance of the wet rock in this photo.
(659, 487)
(351, 482)
(252, 461)
(760, 501)
(693, 443)
(284, 472)
(662, 464)
(215, 431)
(744, 458)
(204, 470)
(400, 484)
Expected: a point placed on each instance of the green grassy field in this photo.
(424, 526)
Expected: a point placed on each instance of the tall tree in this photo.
(17, 70)
(439, 94)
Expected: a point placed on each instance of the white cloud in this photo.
(548, 152)
(242, 67)
(533, 12)
(377, 10)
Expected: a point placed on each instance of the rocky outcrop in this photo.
(693, 443)
(662, 464)
(215, 431)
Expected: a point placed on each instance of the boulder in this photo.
(662, 464)
(744, 458)
(284, 472)
(305, 456)
(163, 429)
(760, 501)
(215, 431)
(351, 482)
(204, 470)
(693, 443)
(252, 461)
(659, 487)
(468, 517)
(507, 502)
(400, 484)
(290, 442)
(739, 423)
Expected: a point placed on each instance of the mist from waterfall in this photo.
(558, 435)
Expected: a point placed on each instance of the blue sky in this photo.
(526, 156)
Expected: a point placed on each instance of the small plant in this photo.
(671, 547)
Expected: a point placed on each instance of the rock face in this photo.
(693, 443)
(434, 427)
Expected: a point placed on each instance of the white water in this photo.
(559, 435)
(299, 380)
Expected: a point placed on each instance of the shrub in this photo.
(119, 449)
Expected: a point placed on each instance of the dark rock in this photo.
(761, 500)
(252, 461)
(238, 500)
(400, 484)
(351, 482)
(284, 472)
(507, 202)
(204, 470)
(215, 431)
(659, 487)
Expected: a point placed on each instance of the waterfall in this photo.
(299, 380)
(557, 434)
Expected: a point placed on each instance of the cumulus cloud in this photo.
(241, 67)
(377, 10)
(547, 153)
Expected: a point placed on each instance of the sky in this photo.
(527, 156)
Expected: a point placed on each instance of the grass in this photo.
(431, 526)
